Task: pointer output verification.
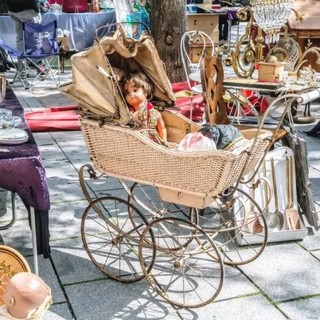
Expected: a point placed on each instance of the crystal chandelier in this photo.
(271, 16)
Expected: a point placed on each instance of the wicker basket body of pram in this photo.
(177, 208)
(191, 178)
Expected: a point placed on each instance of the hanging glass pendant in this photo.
(271, 16)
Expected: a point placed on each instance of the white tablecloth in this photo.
(82, 26)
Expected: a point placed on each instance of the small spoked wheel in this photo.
(110, 239)
(187, 277)
(237, 226)
(147, 199)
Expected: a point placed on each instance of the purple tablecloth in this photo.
(22, 171)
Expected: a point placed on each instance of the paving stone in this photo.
(114, 300)
(316, 254)
(302, 308)
(235, 284)
(19, 237)
(58, 312)
(244, 308)
(63, 189)
(60, 168)
(65, 219)
(72, 262)
(51, 152)
(70, 138)
(283, 272)
(21, 211)
(47, 272)
(43, 138)
(311, 243)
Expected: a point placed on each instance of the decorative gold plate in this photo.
(11, 262)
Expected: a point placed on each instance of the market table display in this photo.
(82, 26)
(22, 172)
(289, 96)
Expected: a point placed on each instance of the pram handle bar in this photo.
(289, 99)
(110, 27)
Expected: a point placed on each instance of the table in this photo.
(82, 26)
(22, 172)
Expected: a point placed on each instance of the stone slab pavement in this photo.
(283, 283)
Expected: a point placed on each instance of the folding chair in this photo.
(17, 60)
(41, 51)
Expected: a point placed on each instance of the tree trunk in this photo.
(168, 23)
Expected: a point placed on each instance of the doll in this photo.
(24, 294)
(138, 91)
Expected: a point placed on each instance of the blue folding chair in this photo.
(17, 60)
(41, 51)
(41, 54)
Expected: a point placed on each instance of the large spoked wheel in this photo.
(237, 226)
(188, 277)
(149, 202)
(110, 239)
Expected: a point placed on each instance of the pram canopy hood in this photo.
(96, 73)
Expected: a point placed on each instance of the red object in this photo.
(259, 103)
(180, 86)
(71, 6)
(55, 1)
(191, 107)
(54, 119)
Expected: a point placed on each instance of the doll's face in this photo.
(135, 97)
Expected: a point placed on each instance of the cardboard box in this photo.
(270, 71)
(64, 43)
(206, 22)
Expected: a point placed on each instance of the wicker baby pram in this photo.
(182, 205)
(118, 150)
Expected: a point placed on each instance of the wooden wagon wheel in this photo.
(212, 83)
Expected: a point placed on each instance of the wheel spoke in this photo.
(110, 239)
(188, 277)
(230, 223)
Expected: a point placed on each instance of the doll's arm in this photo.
(161, 128)
(136, 117)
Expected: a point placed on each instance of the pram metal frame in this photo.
(184, 212)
